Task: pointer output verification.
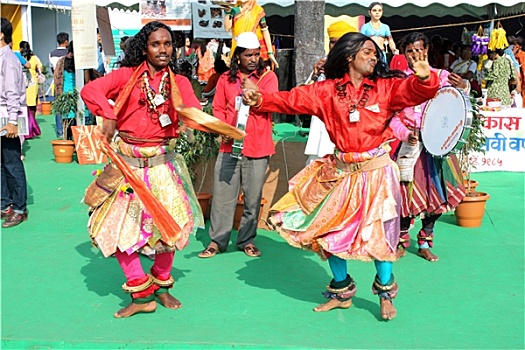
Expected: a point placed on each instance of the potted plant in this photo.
(469, 212)
(198, 148)
(44, 75)
(65, 105)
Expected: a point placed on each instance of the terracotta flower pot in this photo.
(46, 108)
(63, 150)
(469, 213)
(473, 185)
(240, 208)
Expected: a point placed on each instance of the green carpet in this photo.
(59, 292)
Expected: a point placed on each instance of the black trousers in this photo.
(14, 186)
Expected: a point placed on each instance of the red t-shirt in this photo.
(134, 118)
(258, 142)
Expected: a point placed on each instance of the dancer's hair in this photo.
(348, 45)
(137, 45)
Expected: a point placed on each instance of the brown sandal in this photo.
(252, 251)
(211, 250)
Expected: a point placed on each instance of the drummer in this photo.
(428, 185)
(246, 163)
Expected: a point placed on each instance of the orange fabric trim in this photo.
(168, 227)
(124, 95)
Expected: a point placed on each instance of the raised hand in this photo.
(418, 59)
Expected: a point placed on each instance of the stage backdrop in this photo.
(505, 147)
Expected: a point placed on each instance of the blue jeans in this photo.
(14, 186)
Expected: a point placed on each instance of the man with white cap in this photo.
(244, 162)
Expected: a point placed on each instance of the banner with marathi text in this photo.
(505, 147)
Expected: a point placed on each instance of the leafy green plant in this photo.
(64, 104)
(475, 142)
(197, 146)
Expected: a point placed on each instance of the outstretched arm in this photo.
(299, 100)
(418, 88)
(419, 62)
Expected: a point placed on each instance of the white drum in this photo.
(446, 121)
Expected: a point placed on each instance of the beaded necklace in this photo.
(152, 98)
(353, 104)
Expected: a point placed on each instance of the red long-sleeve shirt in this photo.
(134, 118)
(384, 98)
(258, 142)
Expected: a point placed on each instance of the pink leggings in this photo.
(132, 267)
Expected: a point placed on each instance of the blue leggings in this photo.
(339, 269)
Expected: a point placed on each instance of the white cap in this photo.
(248, 40)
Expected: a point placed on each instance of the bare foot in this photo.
(426, 254)
(169, 301)
(388, 311)
(133, 308)
(332, 304)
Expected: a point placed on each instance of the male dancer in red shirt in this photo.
(345, 206)
(146, 91)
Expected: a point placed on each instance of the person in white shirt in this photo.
(464, 66)
(60, 51)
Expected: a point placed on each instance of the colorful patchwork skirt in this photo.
(346, 204)
(122, 222)
(437, 186)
